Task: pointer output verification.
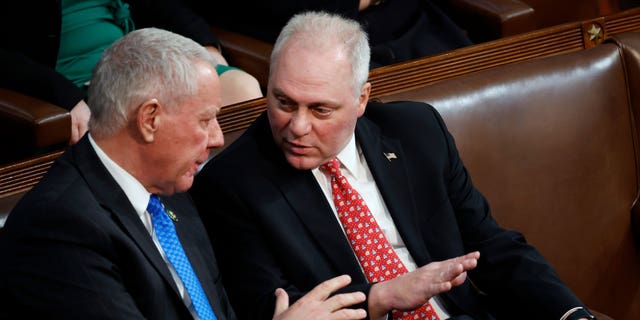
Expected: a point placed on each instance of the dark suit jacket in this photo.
(74, 248)
(273, 227)
(30, 40)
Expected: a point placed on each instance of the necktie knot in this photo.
(332, 167)
(155, 206)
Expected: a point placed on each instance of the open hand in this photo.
(317, 305)
(413, 289)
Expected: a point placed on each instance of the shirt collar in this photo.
(135, 191)
(349, 157)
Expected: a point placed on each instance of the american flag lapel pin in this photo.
(390, 155)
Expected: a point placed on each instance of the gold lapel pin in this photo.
(172, 215)
(390, 155)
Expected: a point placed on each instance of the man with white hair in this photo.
(328, 183)
(109, 232)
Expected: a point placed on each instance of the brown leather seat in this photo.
(552, 12)
(553, 145)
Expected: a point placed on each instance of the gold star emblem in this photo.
(595, 33)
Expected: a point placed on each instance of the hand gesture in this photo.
(413, 289)
(317, 305)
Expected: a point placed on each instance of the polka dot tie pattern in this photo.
(166, 233)
(374, 252)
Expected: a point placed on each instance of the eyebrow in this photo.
(279, 93)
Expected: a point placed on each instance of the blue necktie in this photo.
(166, 233)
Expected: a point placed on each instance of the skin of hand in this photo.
(317, 304)
(413, 289)
(79, 121)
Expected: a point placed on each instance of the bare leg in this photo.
(238, 86)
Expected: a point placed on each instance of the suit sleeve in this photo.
(59, 267)
(26, 76)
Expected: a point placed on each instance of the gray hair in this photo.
(321, 30)
(144, 64)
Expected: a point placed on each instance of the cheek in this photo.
(197, 137)
(190, 145)
(278, 121)
(333, 133)
(203, 138)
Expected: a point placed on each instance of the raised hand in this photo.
(413, 289)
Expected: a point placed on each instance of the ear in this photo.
(363, 99)
(148, 119)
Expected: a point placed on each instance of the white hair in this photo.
(326, 30)
(144, 64)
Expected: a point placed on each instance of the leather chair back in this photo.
(553, 144)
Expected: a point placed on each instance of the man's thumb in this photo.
(282, 302)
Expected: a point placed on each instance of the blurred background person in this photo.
(49, 48)
(398, 30)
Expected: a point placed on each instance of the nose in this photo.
(300, 123)
(216, 138)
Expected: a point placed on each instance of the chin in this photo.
(301, 163)
(184, 185)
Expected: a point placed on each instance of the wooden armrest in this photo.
(247, 53)
(493, 19)
(29, 125)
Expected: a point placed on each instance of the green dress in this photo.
(88, 28)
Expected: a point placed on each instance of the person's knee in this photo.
(238, 86)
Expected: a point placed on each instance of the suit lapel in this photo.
(302, 192)
(315, 212)
(113, 199)
(387, 163)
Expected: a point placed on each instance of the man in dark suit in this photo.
(110, 232)
(281, 214)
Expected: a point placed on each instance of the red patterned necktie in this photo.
(374, 252)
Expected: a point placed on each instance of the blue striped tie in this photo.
(166, 233)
